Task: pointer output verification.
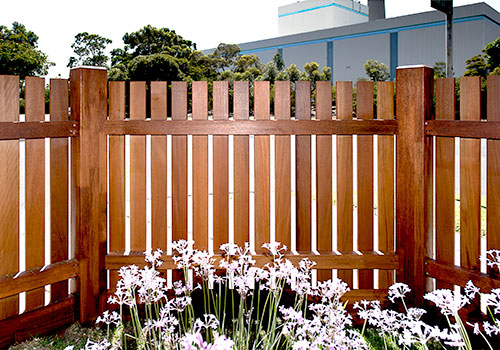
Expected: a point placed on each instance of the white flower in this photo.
(109, 318)
(398, 290)
(447, 301)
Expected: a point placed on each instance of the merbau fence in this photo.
(371, 197)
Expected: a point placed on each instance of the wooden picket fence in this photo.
(207, 171)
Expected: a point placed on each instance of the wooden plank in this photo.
(200, 168)
(324, 174)
(42, 321)
(9, 187)
(450, 274)
(89, 105)
(470, 180)
(35, 188)
(445, 177)
(241, 166)
(251, 127)
(344, 177)
(159, 169)
(38, 130)
(116, 174)
(221, 166)
(59, 167)
(464, 128)
(493, 168)
(38, 277)
(303, 167)
(137, 170)
(357, 295)
(179, 164)
(262, 168)
(414, 96)
(365, 179)
(344, 260)
(385, 179)
(282, 166)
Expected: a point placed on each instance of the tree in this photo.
(89, 50)
(376, 71)
(157, 54)
(278, 62)
(19, 54)
(225, 56)
(439, 70)
(476, 66)
(158, 66)
(486, 63)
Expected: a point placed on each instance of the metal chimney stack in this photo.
(376, 9)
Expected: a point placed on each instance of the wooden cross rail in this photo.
(345, 260)
(250, 127)
(463, 128)
(38, 130)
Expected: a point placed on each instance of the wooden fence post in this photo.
(414, 91)
(89, 107)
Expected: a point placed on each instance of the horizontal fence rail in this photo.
(251, 127)
(38, 130)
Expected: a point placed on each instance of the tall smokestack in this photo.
(376, 9)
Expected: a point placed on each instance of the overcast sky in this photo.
(207, 23)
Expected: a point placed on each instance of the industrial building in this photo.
(344, 34)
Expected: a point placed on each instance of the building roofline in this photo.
(466, 13)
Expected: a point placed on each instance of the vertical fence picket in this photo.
(35, 188)
(282, 166)
(261, 168)
(137, 170)
(58, 185)
(221, 166)
(241, 166)
(385, 179)
(364, 97)
(344, 178)
(116, 175)
(445, 178)
(493, 167)
(200, 168)
(179, 164)
(324, 175)
(9, 187)
(470, 180)
(158, 169)
(303, 167)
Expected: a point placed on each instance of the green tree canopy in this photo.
(376, 71)
(439, 70)
(486, 63)
(159, 50)
(19, 53)
(476, 66)
(89, 50)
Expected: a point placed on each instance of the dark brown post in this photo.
(89, 107)
(414, 90)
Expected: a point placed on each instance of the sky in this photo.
(207, 23)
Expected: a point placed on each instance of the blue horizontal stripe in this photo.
(376, 32)
(323, 6)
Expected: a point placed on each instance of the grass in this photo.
(77, 336)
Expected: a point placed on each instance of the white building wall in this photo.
(350, 55)
(310, 15)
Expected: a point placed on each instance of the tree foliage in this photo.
(151, 50)
(376, 71)
(89, 50)
(486, 63)
(19, 53)
(439, 70)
